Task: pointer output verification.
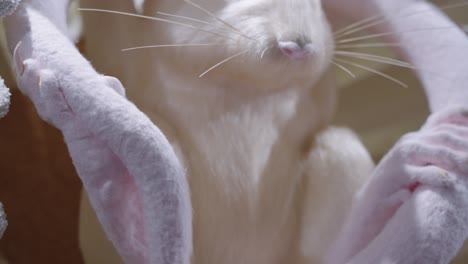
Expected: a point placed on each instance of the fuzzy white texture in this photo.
(4, 98)
(3, 221)
(255, 164)
(239, 128)
(263, 24)
(256, 191)
(243, 129)
(7, 7)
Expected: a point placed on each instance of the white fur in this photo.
(270, 181)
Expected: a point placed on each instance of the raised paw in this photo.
(455, 115)
(432, 158)
(42, 87)
(444, 142)
(427, 163)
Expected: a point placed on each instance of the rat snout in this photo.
(296, 49)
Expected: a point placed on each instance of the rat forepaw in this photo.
(446, 135)
(56, 107)
(428, 159)
(434, 157)
(431, 162)
(27, 73)
(43, 88)
(455, 116)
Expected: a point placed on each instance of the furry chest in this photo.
(245, 212)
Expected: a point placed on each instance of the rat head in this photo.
(276, 40)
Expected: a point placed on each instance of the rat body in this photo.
(270, 181)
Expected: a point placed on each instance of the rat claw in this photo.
(18, 61)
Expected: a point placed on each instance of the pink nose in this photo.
(294, 50)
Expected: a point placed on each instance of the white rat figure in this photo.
(269, 180)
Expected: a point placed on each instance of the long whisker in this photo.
(372, 56)
(175, 45)
(371, 36)
(222, 62)
(344, 69)
(384, 75)
(264, 51)
(363, 27)
(396, 63)
(151, 18)
(198, 21)
(383, 62)
(185, 17)
(368, 45)
(339, 32)
(372, 22)
(217, 18)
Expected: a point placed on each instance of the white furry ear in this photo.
(7, 7)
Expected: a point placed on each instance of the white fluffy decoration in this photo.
(4, 99)
(8, 6)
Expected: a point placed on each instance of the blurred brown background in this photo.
(39, 189)
(38, 186)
